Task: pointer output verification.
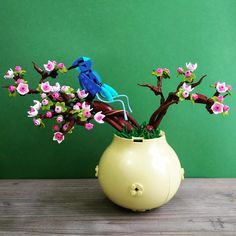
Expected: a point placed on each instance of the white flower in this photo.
(82, 94)
(59, 137)
(64, 88)
(50, 66)
(22, 88)
(32, 112)
(37, 105)
(9, 74)
(187, 88)
(98, 117)
(191, 67)
(56, 87)
(221, 87)
(46, 87)
(86, 107)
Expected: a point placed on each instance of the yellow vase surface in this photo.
(139, 174)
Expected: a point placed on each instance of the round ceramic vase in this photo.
(139, 174)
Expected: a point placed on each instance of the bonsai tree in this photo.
(69, 107)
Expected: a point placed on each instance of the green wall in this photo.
(126, 40)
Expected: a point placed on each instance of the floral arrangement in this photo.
(69, 107)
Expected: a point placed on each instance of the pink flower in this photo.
(217, 108)
(229, 87)
(58, 136)
(54, 62)
(32, 112)
(220, 98)
(86, 107)
(11, 88)
(194, 96)
(61, 65)
(98, 117)
(43, 95)
(37, 122)
(56, 87)
(64, 88)
(55, 128)
(45, 102)
(187, 88)
(65, 126)
(18, 81)
(188, 73)
(191, 67)
(55, 95)
(159, 71)
(22, 88)
(221, 87)
(46, 87)
(48, 114)
(88, 126)
(50, 66)
(185, 94)
(18, 68)
(37, 104)
(76, 107)
(9, 74)
(82, 94)
(180, 70)
(226, 108)
(87, 114)
(58, 109)
(60, 119)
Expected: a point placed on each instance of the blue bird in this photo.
(91, 82)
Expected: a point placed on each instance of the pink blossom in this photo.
(45, 102)
(185, 94)
(221, 87)
(48, 114)
(188, 73)
(64, 88)
(71, 95)
(229, 87)
(11, 88)
(191, 67)
(61, 65)
(87, 114)
(76, 107)
(18, 68)
(98, 117)
(187, 87)
(46, 87)
(32, 112)
(58, 136)
(50, 66)
(220, 98)
(82, 94)
(9, 74)
(86, 106)
(194, 96)
(58, 109)
(60, 119)
(88, 126)
(55, 95)
(37, 122)
(226, 108)
(56, 87)
(56, 128)
(22, 88)
(217, 108)
(37, 104)
(159, 71)
(43, 95)
(65, 126)
(54, 62)
(18, 81)
(180, 70)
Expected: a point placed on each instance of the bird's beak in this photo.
(72, 67)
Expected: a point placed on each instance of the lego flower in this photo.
(22, 88)
(221, 87)
(18, 68)
(194, 96)
(61, 65)
(58, 109)
(220, 98)
(226, 108)
(32, 112)
(159, 71)
(50, 66)
(87, 114)
(11, 88)
(187, 87)
(82, 94)
(56, 88)
(88, 126)
(60, 119)
(188, 73)
(46, 87)
(55, 128)
(59, 137)
(55, 95)
(180, 70)
(86, 107)
(217, 108)
(191, 67)
(98, 117)
(43, 95)
(9, 74)
(37, 105)
(48, 114)
(64, 89)
(45, 102)
(37, 122)
(185, 94)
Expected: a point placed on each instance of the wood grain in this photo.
(78, 207)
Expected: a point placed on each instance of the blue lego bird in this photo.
(91, 82)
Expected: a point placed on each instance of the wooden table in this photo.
(78, 207)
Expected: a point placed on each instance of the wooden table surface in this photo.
(78, 207)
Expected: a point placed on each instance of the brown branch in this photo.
(199, 81)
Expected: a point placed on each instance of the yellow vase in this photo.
(139, 174)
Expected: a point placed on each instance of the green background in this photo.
(126, 40)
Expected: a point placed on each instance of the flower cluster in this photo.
(184, 92)
(60, 103)
(161, 72)
(189, 76)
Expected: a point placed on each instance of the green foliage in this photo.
(142, 131)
